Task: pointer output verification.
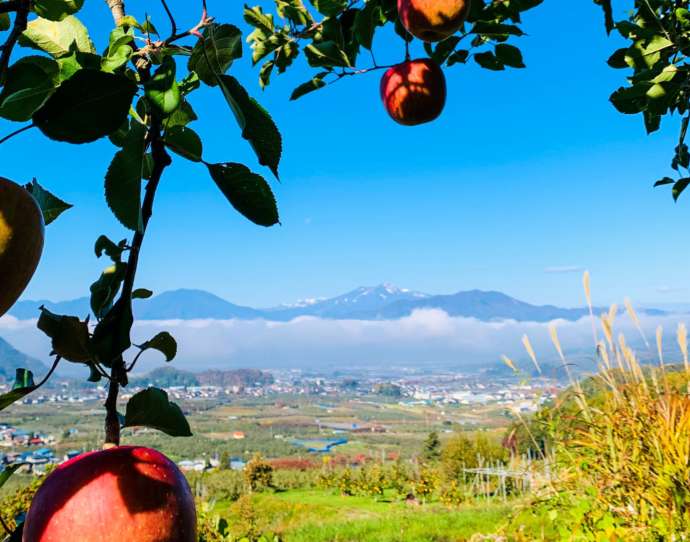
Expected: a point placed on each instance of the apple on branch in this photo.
(122, 494)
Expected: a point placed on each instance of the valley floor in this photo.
(322, 516)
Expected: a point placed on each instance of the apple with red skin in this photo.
(433, 20)
(123, 494)
(414, 92)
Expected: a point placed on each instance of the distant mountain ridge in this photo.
(383, 302)
(12, 359)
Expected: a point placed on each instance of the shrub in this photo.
(258, 474)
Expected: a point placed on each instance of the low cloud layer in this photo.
(426, 338)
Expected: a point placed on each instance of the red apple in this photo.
(414, 92)
(124, 494)
(433, 20)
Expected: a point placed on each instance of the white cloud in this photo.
(426, 338)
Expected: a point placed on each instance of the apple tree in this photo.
(139, 92)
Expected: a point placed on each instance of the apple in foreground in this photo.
(414, 92)
(433, 20)
(123, 494)
(21, 241)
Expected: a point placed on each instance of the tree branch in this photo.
(117, 8)
(161, 160)
(49, 374)
(20, 22)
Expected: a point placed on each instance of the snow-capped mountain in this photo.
(360, 301)
(383, 302)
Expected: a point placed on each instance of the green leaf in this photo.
(630, 100)
(213, 55)
(185, 142)
(30, 81)
(366, 21)
(162, 91)
(8, 472)
(190, 83)
(123, 179)
(248, 192)
(51, 206)
(112, 250)
(5, 22)
(164, 343)
(329, 7)
(57, 38)
(305, 88)
(105, 289)
(69, 65)
(665, 180)
(618, 59)
(683, 17)
(458, 57)
(509, 55)
(608, 14)
(488, 61)
(56, 10)
(256, 124)
(182, 116)
(141, 293)
(265, 73)
(326, 54)
(86, 107)
(681, 157)
(69, 335)
(152, 408)
(23, 385)
(258, 19)
(111, 338)
(679, 187)
(119, 51)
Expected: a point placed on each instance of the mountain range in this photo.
(12, 359)
(383, 302)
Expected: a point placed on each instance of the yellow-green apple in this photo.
(21, 241)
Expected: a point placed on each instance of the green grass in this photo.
(321, 516)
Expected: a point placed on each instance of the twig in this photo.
(20, 22)
(194, 31)
(344, 73)
(49, 374)
(16, 132)
(136, 358)
(173, 24)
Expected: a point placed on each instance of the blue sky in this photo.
(527, 170)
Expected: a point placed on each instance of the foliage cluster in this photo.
(619, 445)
